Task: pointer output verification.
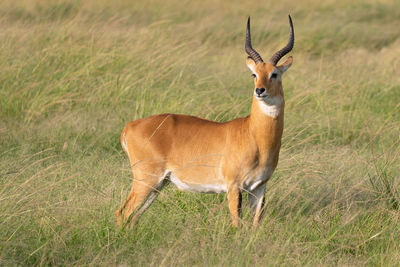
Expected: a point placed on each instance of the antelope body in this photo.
(206, 156)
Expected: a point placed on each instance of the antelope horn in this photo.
(278, 55)
(249, 50)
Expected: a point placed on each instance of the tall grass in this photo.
(74, 72)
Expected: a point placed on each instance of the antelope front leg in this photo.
(235, 204)
(257, 199)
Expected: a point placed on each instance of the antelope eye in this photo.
(254, 76)
(274, 75)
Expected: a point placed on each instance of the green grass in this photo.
(74, 72)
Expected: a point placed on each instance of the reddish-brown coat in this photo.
(198, 154)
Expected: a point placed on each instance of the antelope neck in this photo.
(265, 129)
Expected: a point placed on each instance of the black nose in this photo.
(259, 91)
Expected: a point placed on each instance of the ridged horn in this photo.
(278, 55)
(249, 50)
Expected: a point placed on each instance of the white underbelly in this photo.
(249, 184)
(200, 188)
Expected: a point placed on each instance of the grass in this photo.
(74, 72)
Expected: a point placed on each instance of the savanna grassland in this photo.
(72, 73)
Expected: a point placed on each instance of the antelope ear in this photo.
(251, 64)
(285, 65)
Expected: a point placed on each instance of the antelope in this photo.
(205, 156)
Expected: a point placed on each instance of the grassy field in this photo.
(72, 73)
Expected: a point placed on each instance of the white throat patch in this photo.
(270, 106)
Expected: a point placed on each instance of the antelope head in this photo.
(268, 75)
